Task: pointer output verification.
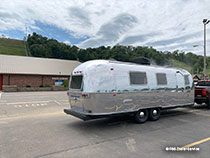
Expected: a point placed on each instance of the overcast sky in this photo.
(162, 24)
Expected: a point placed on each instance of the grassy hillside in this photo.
(12, 47)
(178, 64)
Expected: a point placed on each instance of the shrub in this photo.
(65, 84)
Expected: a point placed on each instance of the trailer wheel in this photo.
(154, 114)
(141, 116)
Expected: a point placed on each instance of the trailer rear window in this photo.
(76, 82)
(161, 78)
(186, 80)
(138, 78)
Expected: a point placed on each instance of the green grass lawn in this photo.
(12, 47)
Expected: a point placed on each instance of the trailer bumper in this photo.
(89, 116)
(84, 115)
(77, 114)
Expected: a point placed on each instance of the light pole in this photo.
(205, 22)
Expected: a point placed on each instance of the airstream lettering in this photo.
(102, 88)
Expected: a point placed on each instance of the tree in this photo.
(197, 68)
(37, 50)
(43, 47)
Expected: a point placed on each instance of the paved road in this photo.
(32, 125)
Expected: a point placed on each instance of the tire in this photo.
(141, 116)
(198, 102)
(154, 114)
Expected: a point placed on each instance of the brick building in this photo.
(28, 72)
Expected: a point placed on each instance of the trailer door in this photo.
(180, 86)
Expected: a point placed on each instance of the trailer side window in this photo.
(186, 80)
(76, 82)
(138, 78)
(161, 78)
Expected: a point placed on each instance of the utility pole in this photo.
(205, 22)
(25, 39)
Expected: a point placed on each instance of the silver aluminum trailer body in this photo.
(101, 88)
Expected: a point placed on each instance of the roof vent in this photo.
(142, 61)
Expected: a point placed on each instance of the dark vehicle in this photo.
(202, 92)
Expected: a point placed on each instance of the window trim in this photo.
(157, 79)
(138, 72)
(81, 87)
(187, 79)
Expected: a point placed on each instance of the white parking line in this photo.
(30, 105)
(38, 102)
(131, 145)
(0, 95)
(63, 100)
(28, 102)
(57, 102)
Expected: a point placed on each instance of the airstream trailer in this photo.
(101, 88)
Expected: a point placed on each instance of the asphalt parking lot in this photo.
(33, 125)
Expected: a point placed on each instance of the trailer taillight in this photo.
(77, 72)
(204, 92)
(84, 95)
